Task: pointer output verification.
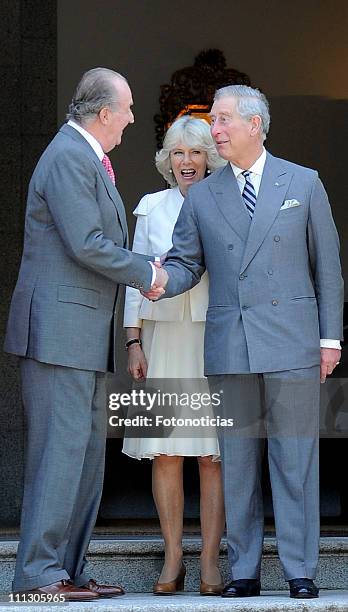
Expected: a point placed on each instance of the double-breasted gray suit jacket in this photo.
(75, 255)
(275, 281)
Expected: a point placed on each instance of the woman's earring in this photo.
(208, 171)
(170, 171)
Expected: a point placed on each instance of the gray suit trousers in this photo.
(284, 408)
(66, 415)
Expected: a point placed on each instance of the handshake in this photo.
(157, 288)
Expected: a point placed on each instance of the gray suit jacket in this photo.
(275, 282)
(75, 255)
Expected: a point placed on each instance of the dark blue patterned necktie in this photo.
(249, 195)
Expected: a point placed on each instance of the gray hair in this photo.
(250, 102)
(96, 90)
(193, 133)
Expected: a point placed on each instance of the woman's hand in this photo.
(137, 364)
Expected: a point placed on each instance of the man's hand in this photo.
(157, 289)
(330, 358)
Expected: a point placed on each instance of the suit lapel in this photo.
(227, 195)
(274, 185)
(111, 189)
(115, 197)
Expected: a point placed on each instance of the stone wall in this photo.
(28, 110)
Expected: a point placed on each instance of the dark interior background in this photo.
(295, 51)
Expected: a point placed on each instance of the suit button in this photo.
(274, 302)
(276, 238)
(245, 307)
(242, 276)
(230, 247)
(270, 272)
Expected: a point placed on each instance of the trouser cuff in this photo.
(300, 572)
(34, 582)
(81, 580)
(248, 573)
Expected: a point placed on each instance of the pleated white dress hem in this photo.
(174, 350)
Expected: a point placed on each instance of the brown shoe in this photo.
(66, 589)
(104, 590)
(172, 587)
(210, 589)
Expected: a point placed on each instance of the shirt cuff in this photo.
(130, 322)
(327, 343)
(153, 272)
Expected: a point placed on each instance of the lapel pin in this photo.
(276, 184)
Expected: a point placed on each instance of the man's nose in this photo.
(215, 129)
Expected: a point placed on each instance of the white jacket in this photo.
(156, 216)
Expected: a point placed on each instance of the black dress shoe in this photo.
(242, 588)
(303, 588)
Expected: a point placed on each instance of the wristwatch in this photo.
(132, 341)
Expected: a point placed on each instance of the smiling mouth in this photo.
(188, 173)
(221, 142)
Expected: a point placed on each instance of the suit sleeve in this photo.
(70, 193)
(133, 296)
(185, 261)
(325, 263)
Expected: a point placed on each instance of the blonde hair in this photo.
(193, 133)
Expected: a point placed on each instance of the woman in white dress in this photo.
(165, 340)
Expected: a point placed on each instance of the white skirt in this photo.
(175, 349)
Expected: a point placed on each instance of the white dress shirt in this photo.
(96, 146)
(256, 171)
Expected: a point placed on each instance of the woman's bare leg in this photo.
(168, 494)
(212, 518)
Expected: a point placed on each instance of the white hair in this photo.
(96, 90)
(249, 102)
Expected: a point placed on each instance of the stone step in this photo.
(275, 601)
(135, 562)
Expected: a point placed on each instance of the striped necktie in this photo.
(108, 167)
(249, 195)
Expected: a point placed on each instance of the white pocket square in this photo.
(290, 204)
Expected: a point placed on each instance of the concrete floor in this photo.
(270, 601)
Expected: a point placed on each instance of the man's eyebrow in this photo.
(220, 113)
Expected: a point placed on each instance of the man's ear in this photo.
(255, 123)
(104, 115)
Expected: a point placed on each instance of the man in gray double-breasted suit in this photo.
(263, 229)
(61, 324)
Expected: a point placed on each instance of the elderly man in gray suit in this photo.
(61, 324)
(263, 229)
